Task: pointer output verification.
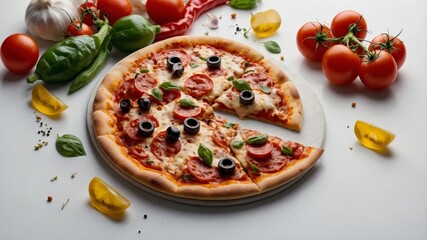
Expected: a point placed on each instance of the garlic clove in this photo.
(213, 21)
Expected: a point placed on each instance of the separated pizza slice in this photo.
(263, 92)
(270, 161)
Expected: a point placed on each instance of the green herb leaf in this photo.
(254, 167)
(237, 144)
(169, 86)
(185, 102)
(257, 139)
(230, 78)
(157, 94)
(272, 46)
(149, 161)
(241, 85)
(186, 177)
(265, 89)
(144, 71)
(247, 63)
(193, 65)
(69, 146)
(245, 32)
(203, 58)
(229, 124)
(243, 4)
(205, 154)
(287, 151)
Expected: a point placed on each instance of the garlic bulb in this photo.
(48, 19)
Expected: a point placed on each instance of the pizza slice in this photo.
(264, 93)
(270, 161)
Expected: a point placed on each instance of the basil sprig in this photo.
(272, 46)
(243, 4)
(265, 89)
(287, 151)
(205, 154)
(169, 86)
(185, 102)
(241, 85)
(237, 144)
(69, 146)
(157, 94)
(229, 124)
(257, 139)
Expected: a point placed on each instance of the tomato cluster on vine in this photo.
(344, 54)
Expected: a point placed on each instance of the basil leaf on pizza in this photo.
(286, 150)
(157, 94)
(257, 139)
(185, 102)
(241, 85)
(205, 154)
(169, 86)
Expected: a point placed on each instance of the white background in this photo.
(353, 193)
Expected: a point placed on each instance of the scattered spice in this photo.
(49, 198)
(45, 132)
(351, 148)
(145, 216)
(233, 15)
(282, 58)
(65, 204)
(73, 175)
(353, 104)
(54, 179)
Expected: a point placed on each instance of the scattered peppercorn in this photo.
(73, 175)
(145, 216)
(54, 179)
(233, 15)
(353, 104)
(49, 198)
(282, 58)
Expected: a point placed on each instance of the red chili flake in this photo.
(353, 104)
(233, 15)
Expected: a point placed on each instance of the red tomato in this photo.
(115, 9)
(76, 29)
(340, 65)
(312, 40)
(345, 20)
(87, 10)
(380, 72)
(392, 45)
(164, 11)
(19, 53)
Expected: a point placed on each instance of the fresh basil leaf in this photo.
(272, 46)
(193, 65)
(203, 58)
(230, 78)
(157, 94)
(245, 32)
(185, 102)
(265, 89)
(169, 86)
(237, 144)
(257, 139)
(144, 71)
(205, 154)
(149, 161)
(254, 167)
(69, 146)
(229, 124)
(243, 4)
(287, 151)
(241, 85)
(247, 63)
(186, 177)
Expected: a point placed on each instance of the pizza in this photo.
(154, 120)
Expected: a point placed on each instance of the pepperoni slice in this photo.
(170, 95)
(201, 171)
(216, 72)
(144, 82)
(162, 148)
(127, 90)
(257, 79)
(260, 150)
(140, 155)
(271, 164)
(131, 129)
(199, 85)
(162, 56)
(219, 139)
(182, 113)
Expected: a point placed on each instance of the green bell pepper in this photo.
(133, 32)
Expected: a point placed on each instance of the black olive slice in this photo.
(172, 61)
(177, 70)
(125, 105)
(226, 166)
(191, 125)
(144, 104)
(214, 61)
(145, 128)
(172, 134)
(247, 97)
